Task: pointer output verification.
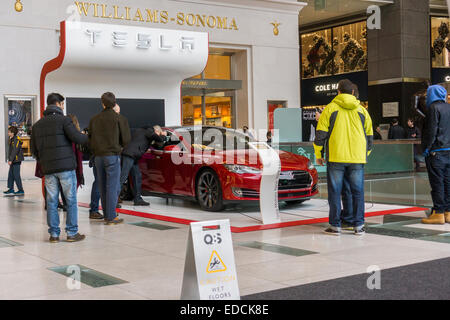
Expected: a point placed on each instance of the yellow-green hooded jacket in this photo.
(344, 131)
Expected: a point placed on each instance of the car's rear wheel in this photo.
(209, 191)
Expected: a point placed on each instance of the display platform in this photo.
(246, 218)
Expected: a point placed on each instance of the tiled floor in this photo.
(149, 255)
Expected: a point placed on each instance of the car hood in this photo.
(289, 161)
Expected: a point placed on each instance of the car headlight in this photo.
(240, 169)
(310, 165)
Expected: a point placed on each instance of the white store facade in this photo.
(257, 39)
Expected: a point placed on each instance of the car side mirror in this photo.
(172, 148)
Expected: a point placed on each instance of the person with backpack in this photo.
(15, 158)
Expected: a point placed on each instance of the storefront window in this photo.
(440, 42)
(317, 54)
(334, 51)
(210, 107)
(19, 111)
(218, 111)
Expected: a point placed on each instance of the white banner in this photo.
(268, 192)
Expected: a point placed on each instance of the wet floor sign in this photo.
(210, 270)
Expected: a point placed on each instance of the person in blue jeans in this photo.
(108, 134)
(436, 146)
(345, 135)
(15, 158)
(51, 144)
(95, 197)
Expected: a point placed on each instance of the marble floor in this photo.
(144, 258)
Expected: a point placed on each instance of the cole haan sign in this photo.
(104, 11)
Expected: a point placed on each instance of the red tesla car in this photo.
(215, 166)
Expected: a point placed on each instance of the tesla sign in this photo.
(174, 53)
(141, 40)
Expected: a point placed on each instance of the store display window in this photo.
(19, 113)
(218, 111)
(334, 51)
(210, 108)
(440, 42)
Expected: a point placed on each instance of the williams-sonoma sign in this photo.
(116, 12)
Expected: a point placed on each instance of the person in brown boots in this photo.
(436, 143)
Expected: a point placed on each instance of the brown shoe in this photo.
(54, 239)
(76, 238)
(95, 215)
(447, 217)
(434, 218)
(114, 222)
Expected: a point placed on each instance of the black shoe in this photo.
(76, 238)
(113, 222)
(347, 226)
(141, 202)
(95, 215)
(360, 232)
(330, 230)
(54, 239)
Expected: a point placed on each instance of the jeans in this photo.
(354, 174)
(347, 204)
(108, 174)
(68, 180)
(14, 176)
(438, 166)
(130, 166)
(95, 193)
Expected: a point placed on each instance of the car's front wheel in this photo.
(209, 191)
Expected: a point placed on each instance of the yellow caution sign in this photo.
(215, 263)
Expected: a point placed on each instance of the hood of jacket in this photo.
(52, 110)
(436, 93)
(346, 101)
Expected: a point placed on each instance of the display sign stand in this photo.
(270, 175)
(210, 270)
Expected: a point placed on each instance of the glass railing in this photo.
(401, 189)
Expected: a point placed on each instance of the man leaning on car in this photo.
(141, 140)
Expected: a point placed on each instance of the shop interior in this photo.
(211, 100)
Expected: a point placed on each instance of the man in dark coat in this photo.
(141, 140)
(108, 135)
(51, 144)
(396, 131)
(436, 143)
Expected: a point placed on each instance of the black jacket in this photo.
(396, 132)
(109, 133)
(141, 139)
(15, 152)
(51, 141)
(436, 130)
(411, 131)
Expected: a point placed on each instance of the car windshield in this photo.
(218, 139)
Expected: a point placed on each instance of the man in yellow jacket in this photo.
(345, 136)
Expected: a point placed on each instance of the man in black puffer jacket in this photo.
(51, 144)
(436, 146)
(141, 140)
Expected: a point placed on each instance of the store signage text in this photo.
(143, 40)
(326, 87)
(154, 16)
